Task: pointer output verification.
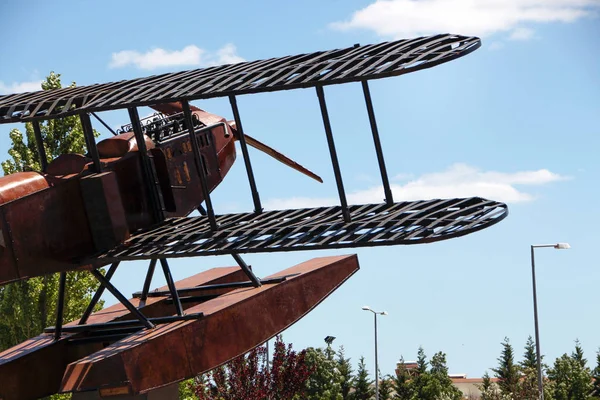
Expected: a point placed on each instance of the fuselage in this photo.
(54, 221)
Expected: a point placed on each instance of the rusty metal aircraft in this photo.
(130, 196)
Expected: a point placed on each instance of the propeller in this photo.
(175, 107)
(275, 154)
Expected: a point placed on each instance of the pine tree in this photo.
(596, 376)
(345, 369)
(421, 361)
(362, 385)
(529, 357)
(507, 371)
(444, 388)
(488, 389)
(529, 383)
(577, 354)
(402, 383)
(385, 388)
(421, 382)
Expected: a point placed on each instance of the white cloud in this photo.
(408, 18)
(188, 56)
(20, 87)
(522, 34)
(227, 55)
(459, 180)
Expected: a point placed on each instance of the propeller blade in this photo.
(280, 157)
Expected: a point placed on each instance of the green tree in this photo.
(529, 357)
(346, 373)
(569, 380)
(63, 135)
(363, 389)
(577, 354)
(385, 388)
(596, 376)
(402, 382)
(420, 385)
(440, 385)
(488, 389)
(529, 384)
(507, 371)
(324, 381)
(27, 307)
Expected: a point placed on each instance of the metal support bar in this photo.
(171, 285)
(115, 292)
(150, 179)
(90, 141)
(242, 139)
(384, 176)
(201, 210)
(105, 124)
(40, 145)
(61, 305)
(90, 308)
(333, 154)
(233, 285)
(127, 324)
(199, 164)
(247, 270)
(147, 282)
(99, 339)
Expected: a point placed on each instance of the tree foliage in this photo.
(385, 388)
(401, 382)
(363, 389)
(344, 367)
(507, 371)
(570, 379)
(251, 377)
(63, 135)
(429, 381)
(324, 382)
(596, 376)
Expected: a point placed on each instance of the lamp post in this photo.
(375, 313)
(558, 246)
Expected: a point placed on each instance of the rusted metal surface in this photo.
(232, 325)
(50, 223)
(46, 360)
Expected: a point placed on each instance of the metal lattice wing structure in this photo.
(313, 228)
(353, 64)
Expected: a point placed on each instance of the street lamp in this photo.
(375, 313)
(558, 246)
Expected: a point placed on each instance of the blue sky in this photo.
(516, 121)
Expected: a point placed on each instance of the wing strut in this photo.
(90, 308)
(115, 292)
(147, 282)
(333, 154)
(171, 285)
(187, 112)
(61, 305)
(384, 177)
(238, 124)
(247, 269)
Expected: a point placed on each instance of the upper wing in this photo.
(292, 72)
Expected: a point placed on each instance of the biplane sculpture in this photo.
(131, 196)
